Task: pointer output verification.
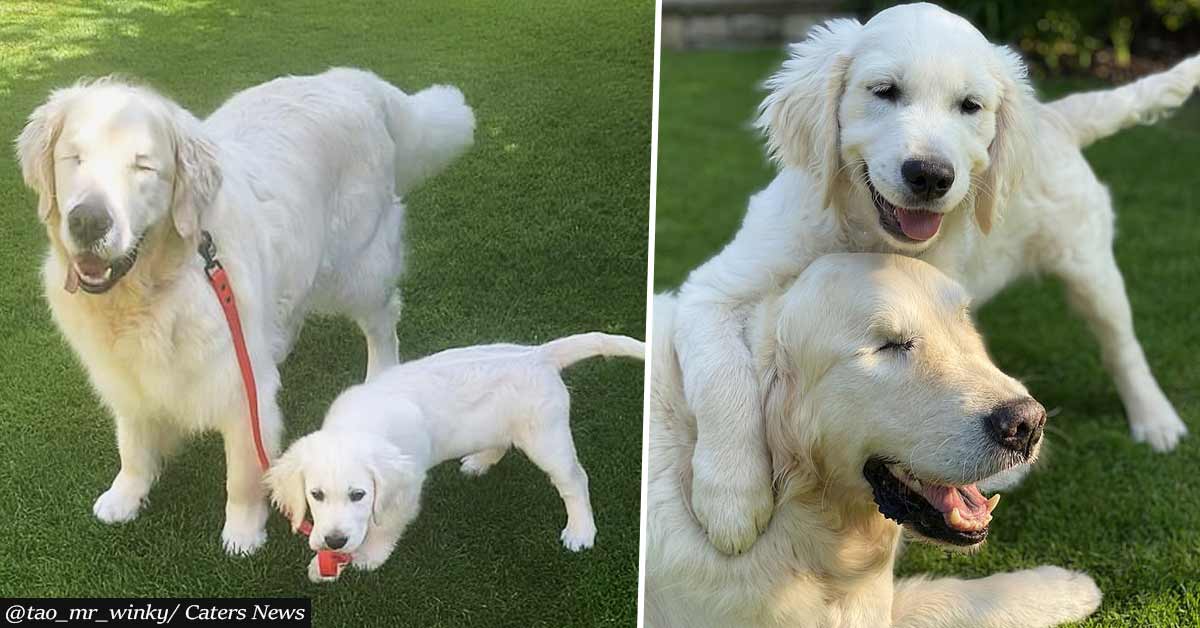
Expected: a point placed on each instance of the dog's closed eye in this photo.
(886, 91)
(142, 164)
(898, 345)
(357, 494)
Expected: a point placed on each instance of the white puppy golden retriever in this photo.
(361, 473)
(911, 134)
(299, 182)
(883, 411)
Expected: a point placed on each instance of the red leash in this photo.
(328, 561)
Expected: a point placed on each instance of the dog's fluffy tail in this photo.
(1092, 116)
(566, 351)
(431, 129)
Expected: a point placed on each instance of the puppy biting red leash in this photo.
(329, 561)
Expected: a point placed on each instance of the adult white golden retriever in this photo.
(911, 134)
(361, 473)
(299, 182)
(882, 412)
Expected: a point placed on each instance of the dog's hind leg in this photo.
(143, 444)
(1097, 291)
(550, 446)
(1034, 598)
(371, 294)
(379, 327)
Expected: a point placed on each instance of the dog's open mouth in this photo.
(96, 275)
(957, 515)
(906, 225)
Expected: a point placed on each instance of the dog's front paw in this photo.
(1071, 595)
(371, 557)
(314, 573)
(733, 508)
(579, 537)
(242, 542)
(116, 506)
(245, 531)
(1160, 427)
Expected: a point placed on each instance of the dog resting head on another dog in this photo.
(882, 407)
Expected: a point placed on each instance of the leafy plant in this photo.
(1062, 35)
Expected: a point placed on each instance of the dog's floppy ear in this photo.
(799, 116)
(285, 480)
(790, 368)
(1009, 147)
(35, 148)
(197, 173)
(396, 476)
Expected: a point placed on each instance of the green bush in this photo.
(1081, 35)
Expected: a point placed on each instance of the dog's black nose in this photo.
(1017, 425)
(335, 541)
(928, 179)
(89, 221)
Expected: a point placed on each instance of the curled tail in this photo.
(431, 129)
(1092, 116)
(566, 351)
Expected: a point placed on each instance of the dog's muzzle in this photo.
(95, 275)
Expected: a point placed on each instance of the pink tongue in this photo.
(918, 224)
(91, 265)
(967, 499)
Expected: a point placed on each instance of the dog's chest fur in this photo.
(830, 577)
(159, 357)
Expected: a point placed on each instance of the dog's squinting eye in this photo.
(144, 168)
(318, 494)
(970, 106)
(887, 91)
(897, 345)
(357, 495)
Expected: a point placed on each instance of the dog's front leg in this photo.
(382, 537)
(246, 507)
(731, 493)
(1033, 598)
(377, 547)
(142, 444)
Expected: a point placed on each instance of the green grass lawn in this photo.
(539, 231)
(1099, 502)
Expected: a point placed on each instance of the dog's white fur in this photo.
(299, 181)
(832, 401)
(1024, 201)
(380, 438)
